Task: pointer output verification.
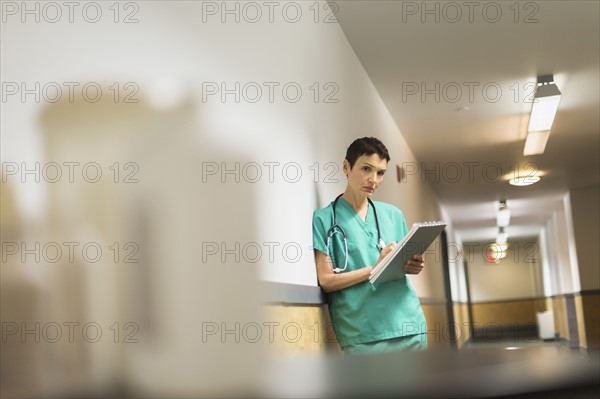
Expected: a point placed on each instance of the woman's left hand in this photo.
(414, 265)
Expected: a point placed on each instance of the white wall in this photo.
(561, 270)
(174, 210)
(456, 256)
(193, 53)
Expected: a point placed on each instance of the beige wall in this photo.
(560, 317)
(581, 325)
(586, 223)
(515, 276)
(461, 317)
(301, 329)
(304, 329)
(507, 313)
(588, 319)
(438, 335)
(590, 305)
(511, 312)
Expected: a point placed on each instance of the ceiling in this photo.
(474, 132)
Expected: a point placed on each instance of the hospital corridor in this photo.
(195, 196)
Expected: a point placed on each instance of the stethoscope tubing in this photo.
(334, 230)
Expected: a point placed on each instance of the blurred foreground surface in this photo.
(462, 374)
(553, 371)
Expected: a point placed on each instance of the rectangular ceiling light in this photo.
(545, 105)
(536, 142)
(543, 111)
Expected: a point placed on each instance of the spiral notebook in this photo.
(418, 239)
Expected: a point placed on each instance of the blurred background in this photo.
(161, 162)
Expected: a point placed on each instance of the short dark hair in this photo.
(366, 146)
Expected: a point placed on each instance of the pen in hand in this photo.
(386, 250)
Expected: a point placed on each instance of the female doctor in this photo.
(350, 236)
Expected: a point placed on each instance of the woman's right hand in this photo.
(386, 250)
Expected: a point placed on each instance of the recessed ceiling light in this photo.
(498, 251)
(524, 180)
(525, 175)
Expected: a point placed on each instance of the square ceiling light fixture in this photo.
(545, 105)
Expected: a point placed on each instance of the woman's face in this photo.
(366, 174)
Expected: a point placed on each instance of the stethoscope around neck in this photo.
(337, 229)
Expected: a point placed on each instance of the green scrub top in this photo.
(364, 312)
